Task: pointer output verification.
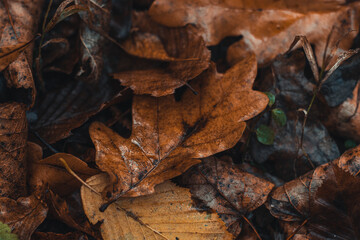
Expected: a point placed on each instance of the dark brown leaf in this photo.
(224, 187)
(13, 137)
(59, 236)
(23, 215)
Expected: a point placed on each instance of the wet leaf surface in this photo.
(182, 49)
(267, 26)
(168, 136)
(321, 188)
(226, 188)
(166, 214)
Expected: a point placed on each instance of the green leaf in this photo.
(5, 233)
(350, 144)
(265, 135)
(279, 116)
(271, 98)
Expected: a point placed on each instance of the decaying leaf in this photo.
(266, 26)
(52, 172)
(224, 187)
(166, 214)
(294, 201)
(97, 18)
(69, 214)
(68, 104)
(23, 216)
(25, 15)
(182, 49)
(13, 137)
(168, 135)
(8, 54)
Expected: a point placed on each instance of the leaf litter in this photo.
(170, 120)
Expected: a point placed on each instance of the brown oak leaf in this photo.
(169, 136)
(182, 49)
(266, 26)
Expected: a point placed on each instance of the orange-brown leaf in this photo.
(51, 171)
(267, 26)
(169, 136)
(182, 49)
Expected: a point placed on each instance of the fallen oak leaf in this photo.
(266, 25)
(166, 214)
(182, 49)
(59, 236)
(169, 136)
(226, 188)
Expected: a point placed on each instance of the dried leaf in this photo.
(266, 26)
(8, 54)
(183, 50)
(224, 187)
(334, 210)
(23, 215)
(291, 202)
(13, 137)
(68, 104)
(52, 172)
(92, 42)
(168, 136)
(64, 211)
(166, 214)
(25, 15)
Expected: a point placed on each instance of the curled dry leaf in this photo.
(294, 201)
(25, 16)
(23, 215)
(69, 214)
(166, 214)
(267, 26)
(13, 137)
(183, 50)
(52, 172)
(168, 136)
(224, 187)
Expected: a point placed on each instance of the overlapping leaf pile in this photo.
(139, 119)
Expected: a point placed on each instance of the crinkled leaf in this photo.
(226, 188)
(169, 136)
